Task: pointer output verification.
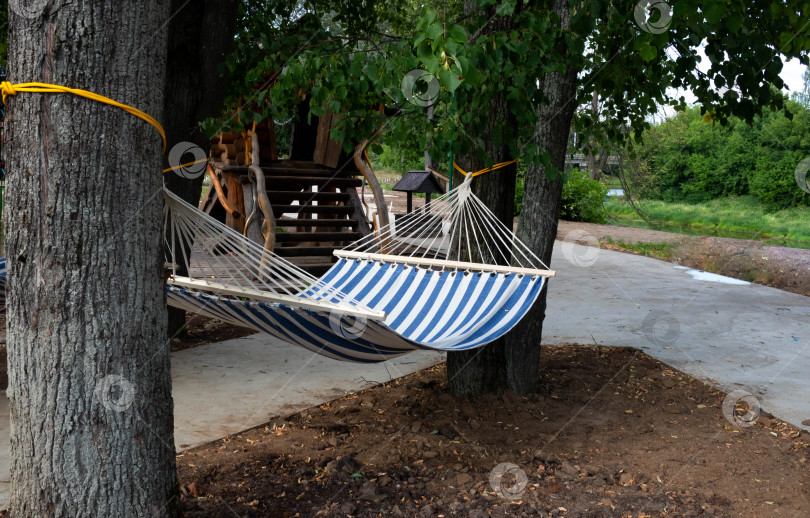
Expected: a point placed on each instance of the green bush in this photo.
(687, 160)
(583, 199)
(521, 183)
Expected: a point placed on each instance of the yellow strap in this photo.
(185, 165)
(482, 171)
(6, 88)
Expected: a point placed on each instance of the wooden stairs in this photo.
(303, 207)
(316, 209)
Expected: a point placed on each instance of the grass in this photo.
(387, 178)
(659, 250)
(743, 214)
(611, 182)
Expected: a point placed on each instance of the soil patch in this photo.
(612, 432)
(201, 330)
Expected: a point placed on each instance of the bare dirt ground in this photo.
(202, 330)
(612, 432)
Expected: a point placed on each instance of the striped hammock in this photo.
(433, 280)
(423, 309)
(430, 280)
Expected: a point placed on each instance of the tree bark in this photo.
(513, 362)
(90, 383)
(537, 226)
(200, 38)
(484, 370)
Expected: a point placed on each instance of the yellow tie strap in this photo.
(482, 171)
(6, 88)
(187, 164)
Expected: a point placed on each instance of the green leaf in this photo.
(648, 53)
(434, 31)
(714, 11)
(449, 79)
(474, 77)
(505, 8)
(457, 33)
(734, 22)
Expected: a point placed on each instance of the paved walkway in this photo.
(735, 335)
(732, 334)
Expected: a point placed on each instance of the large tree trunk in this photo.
(485, 369)
(90, 385)
(513, 362)
(200, 38)
(537, 226)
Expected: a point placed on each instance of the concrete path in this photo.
(735, 335)
(732, 334)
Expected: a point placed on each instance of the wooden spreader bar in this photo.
(459, 265)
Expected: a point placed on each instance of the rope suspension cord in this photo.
(6, 89)
(483, 171)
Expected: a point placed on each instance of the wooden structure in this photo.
(419, 181)
(302, 207)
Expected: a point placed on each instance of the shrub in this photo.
(583, 199)
(521, 183)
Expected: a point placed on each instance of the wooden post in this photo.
(410, 202)
(427, 203)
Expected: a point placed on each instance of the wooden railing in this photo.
(363, 165)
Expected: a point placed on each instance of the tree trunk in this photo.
(537, 226)
(90, 383)
(484, 370)
(200, 38)
(513, 362)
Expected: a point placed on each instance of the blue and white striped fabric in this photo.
(425, 309)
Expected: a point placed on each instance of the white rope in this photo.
(216, 252)
(459, 227)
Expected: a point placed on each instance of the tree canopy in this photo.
(350, 57)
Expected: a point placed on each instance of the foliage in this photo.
(351, 58)
(688, 160)
(519, 187)
(582, 198)
(744, 215)
(659, 250)
(400, 159)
